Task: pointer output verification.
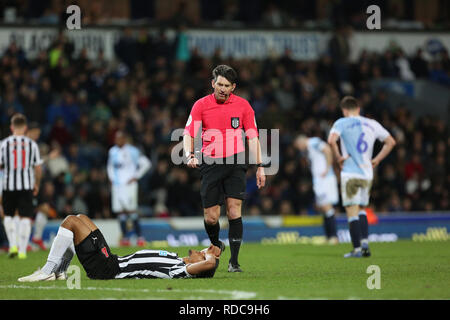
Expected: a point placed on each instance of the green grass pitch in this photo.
(408, 270)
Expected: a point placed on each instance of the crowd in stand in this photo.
(80, 103)
(396, 14)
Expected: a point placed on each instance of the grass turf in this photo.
(409, 270)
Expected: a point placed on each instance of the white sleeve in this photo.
(336, 128)
(109, 167)
(1, 156)
(380, 132)
(37, 155)
(179, 271)
(144, 164)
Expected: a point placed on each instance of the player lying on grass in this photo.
(78, 234)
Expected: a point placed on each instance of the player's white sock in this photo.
(16, 220)
(24, 234)
(62, 242)
(330, 213)
(39, 225)
(11, 231)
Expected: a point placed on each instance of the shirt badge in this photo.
(235, 122)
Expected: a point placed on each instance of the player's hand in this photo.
(192, 163)
(375, 162)
(341, 160)
(260, 178)
(132, 180)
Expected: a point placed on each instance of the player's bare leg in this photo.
(73, 230)
(235, 231)
(212, 226)
(355, 231)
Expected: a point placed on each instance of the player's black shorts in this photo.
(22, 201)
(96, 258)
(221, 181)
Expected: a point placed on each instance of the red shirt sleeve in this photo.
(249, 123)
(194, 121)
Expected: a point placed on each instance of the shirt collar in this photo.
(229, 100)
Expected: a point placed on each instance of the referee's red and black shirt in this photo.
(222, 125)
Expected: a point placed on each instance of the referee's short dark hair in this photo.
(225, 71)
(18, 120)
(349, 103)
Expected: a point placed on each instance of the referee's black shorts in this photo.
(96, 258)
(20, 200)
(221, 181)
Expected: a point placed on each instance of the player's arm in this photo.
(329, 158)
(332, 141)
(144, 164)
(389, 144)
(37, 169)
(37, 181)
(198, 267)
(191, 129)
(254, 147)
(188, 151)
(109, 168)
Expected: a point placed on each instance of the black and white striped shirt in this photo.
(18, 157)
(152, 264)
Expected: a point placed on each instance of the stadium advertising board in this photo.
(33, 40)
(277, 230)
(257, 44)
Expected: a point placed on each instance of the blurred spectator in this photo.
(419, 65)
(339, 49)
(80, 103)
(127, 48)
(273, 17)
(414, 167)
(404, 67)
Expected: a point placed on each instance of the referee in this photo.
(21, 162)
(223, 116)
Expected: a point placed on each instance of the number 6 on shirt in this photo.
(361, 145)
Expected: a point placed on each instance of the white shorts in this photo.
(355, 190)
(326, 190)
(124, 198)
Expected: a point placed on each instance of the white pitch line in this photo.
(234, 294)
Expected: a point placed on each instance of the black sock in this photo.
(235, 236)
(123, 224)
(136, 224)
(213, 231)
(330, 226)
(355, 233)
(364, 226)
